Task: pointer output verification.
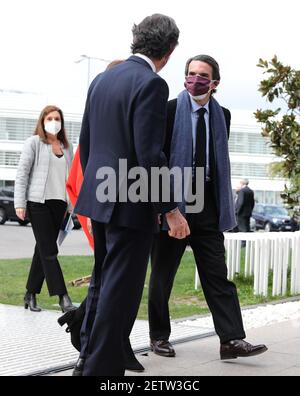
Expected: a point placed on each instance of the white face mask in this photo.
(53, 127)
(200, 97)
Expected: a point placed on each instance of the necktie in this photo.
(200, 151)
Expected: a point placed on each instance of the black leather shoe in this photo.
(162, 348)
(240, 348)
(66, 303)
(131, 364)
(130, 361)
(30, 301)
(78, 369)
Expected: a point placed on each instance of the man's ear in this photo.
(216, 83)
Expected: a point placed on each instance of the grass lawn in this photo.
(185, 301)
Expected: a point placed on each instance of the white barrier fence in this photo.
(276, 251)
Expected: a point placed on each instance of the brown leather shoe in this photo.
(240, 348)
(162, 348)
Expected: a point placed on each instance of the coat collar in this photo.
(137, 59)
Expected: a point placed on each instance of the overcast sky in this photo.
(40, 41)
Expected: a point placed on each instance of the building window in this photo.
(9, 159)
(268, 197)
(73, 131)
(248, 143)
(249, 170)
(19, 129)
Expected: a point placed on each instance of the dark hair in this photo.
(40, 129)
(207, 59)
(155, 36)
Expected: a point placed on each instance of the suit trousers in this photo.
(207, 244)
(46, 219)
(243, 223)
(114, 296)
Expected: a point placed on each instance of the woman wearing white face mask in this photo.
(40, 190)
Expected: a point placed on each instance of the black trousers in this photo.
(115, 292)
(46, 220)
(207, 244)
(243, 223)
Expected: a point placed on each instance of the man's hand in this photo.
(21, 213)
(179, 227)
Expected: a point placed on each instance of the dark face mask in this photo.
(197, 85)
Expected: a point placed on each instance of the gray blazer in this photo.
(32, 172)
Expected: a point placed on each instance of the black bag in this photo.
(74, 321)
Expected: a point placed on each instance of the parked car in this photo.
(273, 218)
(7, 210)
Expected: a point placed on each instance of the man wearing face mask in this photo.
(197, 137)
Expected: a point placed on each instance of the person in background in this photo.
(235, 198)
(73, 186)
(75, 180)
(40, 192)
(237, 190)
(244, 205)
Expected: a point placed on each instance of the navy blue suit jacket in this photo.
(124, 118)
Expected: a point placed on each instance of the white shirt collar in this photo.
(148, 60)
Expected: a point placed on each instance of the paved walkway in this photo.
(33, 342)
(201, 357)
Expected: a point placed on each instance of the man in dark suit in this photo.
(244, 206)
(124, 119)
(197, 135)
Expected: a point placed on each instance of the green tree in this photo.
(283, 131)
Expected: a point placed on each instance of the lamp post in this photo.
(89, 58)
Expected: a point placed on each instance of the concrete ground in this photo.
(201, 357)
(32, 343)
